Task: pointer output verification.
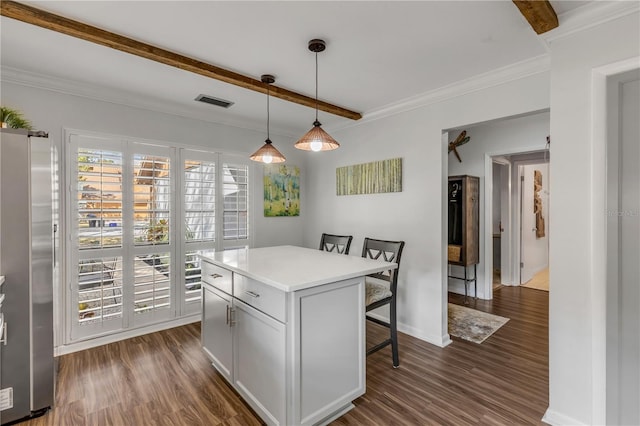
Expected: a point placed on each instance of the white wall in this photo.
(577, 219)
(416, 215)
(510, 136)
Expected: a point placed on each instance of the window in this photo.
(142, 215)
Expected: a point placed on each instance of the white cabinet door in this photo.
(259, 367)
(217, 334)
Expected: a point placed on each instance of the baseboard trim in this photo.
(554, 418)
(116, 337)
(440, 341)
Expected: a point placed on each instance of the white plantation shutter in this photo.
(199, 211)
(150, 290)
(95, 169)
(140, 216)
(236, 203)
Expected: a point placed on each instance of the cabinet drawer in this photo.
(220, 278)
(265, 298)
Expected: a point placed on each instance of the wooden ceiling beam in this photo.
(50, 21)
(539, 14)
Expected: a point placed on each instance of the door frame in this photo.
(613, 243)
(601, 235)
(510, 226)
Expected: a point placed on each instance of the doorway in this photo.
(623, 250)
(534, 238)
(492, 143)
(519, 211)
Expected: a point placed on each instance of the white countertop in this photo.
(291, 268)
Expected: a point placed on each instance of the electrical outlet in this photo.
(6, 399)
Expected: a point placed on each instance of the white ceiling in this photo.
(378, 53)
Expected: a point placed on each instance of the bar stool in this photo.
(381, 289)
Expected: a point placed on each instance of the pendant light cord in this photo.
(268, 112)
(316, 86)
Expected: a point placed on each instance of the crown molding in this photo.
(588, 16)
(536, 65)
(120, 97)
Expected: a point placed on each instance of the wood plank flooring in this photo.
(165, 379)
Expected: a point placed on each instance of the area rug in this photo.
(472, 325)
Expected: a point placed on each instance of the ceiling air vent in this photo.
(214, 101)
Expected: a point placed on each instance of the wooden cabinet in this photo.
(464, 210)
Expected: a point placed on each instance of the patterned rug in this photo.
(472, 325)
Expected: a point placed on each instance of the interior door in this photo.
(534, 251)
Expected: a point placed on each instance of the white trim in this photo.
(555, 418)
(103, 340)
(487, 286)
(588, 16)
(506, 265)
(496, 77)
(598, 233)
(444, 239)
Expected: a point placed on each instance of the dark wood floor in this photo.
(165, 379)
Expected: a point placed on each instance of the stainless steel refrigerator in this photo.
(26, 261)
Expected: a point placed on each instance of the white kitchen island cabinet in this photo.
(286, 327)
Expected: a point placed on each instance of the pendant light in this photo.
(268, 153)
(317, 139)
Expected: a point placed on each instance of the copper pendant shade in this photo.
(317, 139)
(268, 153)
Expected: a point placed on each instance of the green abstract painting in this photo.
(281, 190)
(370, 178)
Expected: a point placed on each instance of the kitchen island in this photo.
(285, 326)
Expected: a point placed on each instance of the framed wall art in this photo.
(370, 178)
(281, 190)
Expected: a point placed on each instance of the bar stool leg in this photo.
(475, 279)
(466, 283)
